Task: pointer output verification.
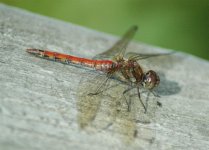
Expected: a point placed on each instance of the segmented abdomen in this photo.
(103, 65)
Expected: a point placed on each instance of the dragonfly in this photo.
(129, 69)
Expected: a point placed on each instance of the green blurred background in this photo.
(176, 24)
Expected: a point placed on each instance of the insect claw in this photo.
(159, 104)
(157, 95)
(145, 110)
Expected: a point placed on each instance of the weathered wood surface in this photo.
(43, 104)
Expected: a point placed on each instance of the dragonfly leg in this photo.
(156, 95)
(101, 85)
(128, 102)
(147, 98)
(145, 109)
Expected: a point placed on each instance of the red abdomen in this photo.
(103, 65)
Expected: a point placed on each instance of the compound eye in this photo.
(151, 79)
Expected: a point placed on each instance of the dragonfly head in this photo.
(150, 80)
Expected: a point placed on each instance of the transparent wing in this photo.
(109, 107)
(139, 56)
(120, 46)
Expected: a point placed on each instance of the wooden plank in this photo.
(44, 104)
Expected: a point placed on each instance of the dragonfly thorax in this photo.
(133, 72)
(130, 70)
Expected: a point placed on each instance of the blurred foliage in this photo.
(175, 24)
